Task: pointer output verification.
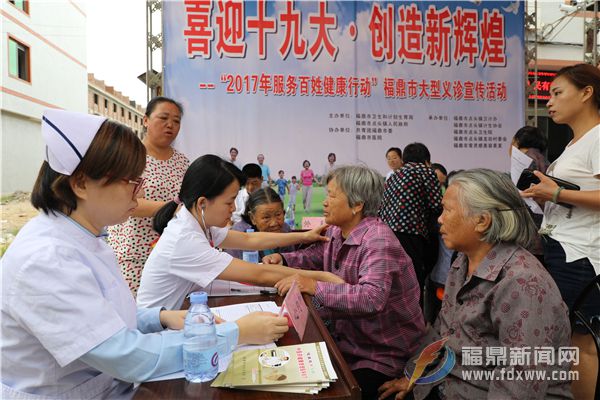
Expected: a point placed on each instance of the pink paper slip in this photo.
(296, 309)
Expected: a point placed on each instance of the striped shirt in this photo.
(376, 319)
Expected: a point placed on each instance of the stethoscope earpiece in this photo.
(207, 231)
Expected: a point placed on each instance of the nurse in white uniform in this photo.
(70, 328)
(186, 258)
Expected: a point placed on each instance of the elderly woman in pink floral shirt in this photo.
(502, 313)
(375, 316)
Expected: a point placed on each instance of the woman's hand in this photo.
(172, 319)
(316, 235)
(399, 385)
(261, 327)
(274, 258)
(543, 191)
(305, 284)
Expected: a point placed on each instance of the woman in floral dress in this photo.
(165, 167)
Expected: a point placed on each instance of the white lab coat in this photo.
(62, 295)
(182, 261)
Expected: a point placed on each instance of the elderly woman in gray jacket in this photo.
(502, 314)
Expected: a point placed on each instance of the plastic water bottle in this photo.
(250, 255)
(290, 217)
(200, 352)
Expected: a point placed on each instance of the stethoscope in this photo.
(206, 230)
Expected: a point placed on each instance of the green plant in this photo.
(3, 248)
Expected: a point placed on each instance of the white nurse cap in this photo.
(68, 135)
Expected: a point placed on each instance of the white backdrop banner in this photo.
(298, 80)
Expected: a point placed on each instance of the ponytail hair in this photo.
(208, 176)
(163, 216)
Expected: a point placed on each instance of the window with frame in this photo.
(106, 104)
(122, 112)
(114, 108)
(95, 99)
(22, 5)
(18, 60)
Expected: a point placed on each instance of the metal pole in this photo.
(584, 17)
(162, 52)
(535, 67)
(151, 61)
(595, 41)
(148, 49)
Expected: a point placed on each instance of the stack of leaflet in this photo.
(302, 368)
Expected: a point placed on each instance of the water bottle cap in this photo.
(198, 297)
(249, 230)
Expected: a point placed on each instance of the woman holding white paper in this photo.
(186, 256)
(531, 144)
(530, 141)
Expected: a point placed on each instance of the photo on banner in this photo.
(297, 80)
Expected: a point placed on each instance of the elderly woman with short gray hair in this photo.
(498, 299)
(375, 315)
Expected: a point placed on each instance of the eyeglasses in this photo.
(138, 183)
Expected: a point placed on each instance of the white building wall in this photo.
(55, 32)
(22, 152)
(567, 36)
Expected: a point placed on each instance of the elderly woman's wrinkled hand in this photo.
(316, 235)
(273, 259)
(542, 191)
(305, 284)
(399, 385)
